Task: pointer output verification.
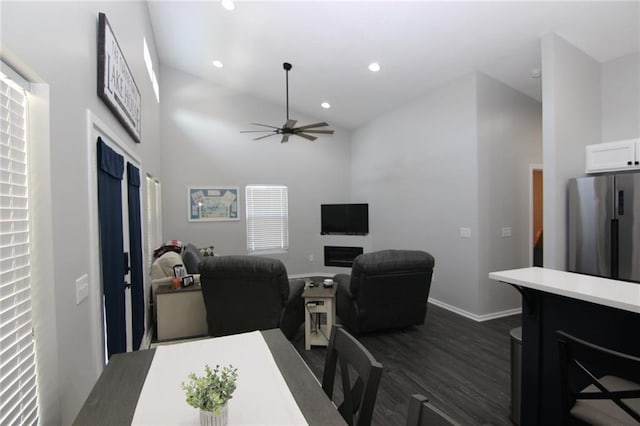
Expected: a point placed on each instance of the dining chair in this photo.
(608, 397)
(422, 413)
(350, 355)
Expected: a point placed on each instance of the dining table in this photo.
(274, 387)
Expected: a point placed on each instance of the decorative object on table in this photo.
(212, 203)
(207, 251)
(211, 393)
(328, 283)
(288, 127)
(116, 86)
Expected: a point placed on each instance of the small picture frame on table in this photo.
(187, 281)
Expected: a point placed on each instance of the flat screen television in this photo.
(344, 219)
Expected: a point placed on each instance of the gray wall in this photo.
(202, 145)
(509, 141)
(571, 105)
(416, 166)
(457, 157)
(621, 98)
(57, 41)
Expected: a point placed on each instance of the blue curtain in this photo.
(110, 170)
(135, 249)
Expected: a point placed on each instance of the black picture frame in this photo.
(116, 86)
(187, 281)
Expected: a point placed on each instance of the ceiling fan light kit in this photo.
(289, 126)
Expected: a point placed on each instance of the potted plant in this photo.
(211, 392)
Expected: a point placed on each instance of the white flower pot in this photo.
(208, 418)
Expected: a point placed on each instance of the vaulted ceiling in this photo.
(418, 44)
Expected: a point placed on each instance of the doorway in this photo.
(536, 240)
(117, 316)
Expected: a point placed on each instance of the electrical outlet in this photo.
(465, 232)
(82, 288)
(310, 258)
(506, 232)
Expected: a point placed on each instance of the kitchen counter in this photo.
(602, 311)
(606, 292)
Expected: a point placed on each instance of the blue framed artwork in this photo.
(213, 203)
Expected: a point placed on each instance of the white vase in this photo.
(209, 418)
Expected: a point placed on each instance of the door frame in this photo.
(95, 124)
(532, 168)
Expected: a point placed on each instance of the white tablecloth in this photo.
(261, 398)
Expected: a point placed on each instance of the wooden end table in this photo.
(319, 304)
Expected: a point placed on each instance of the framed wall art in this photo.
(116, 86)
(213, 203)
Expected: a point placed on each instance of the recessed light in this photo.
(325, 105)
(374, 67)
(228, 4)
(217, 64)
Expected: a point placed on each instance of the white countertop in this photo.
(613, 293)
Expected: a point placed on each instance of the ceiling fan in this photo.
(288, 128)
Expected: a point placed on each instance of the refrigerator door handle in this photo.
(620, 203)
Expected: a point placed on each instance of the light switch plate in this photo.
(465, 232)
(506, 232)
(82, 288)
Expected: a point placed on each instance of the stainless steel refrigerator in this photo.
(604, 226)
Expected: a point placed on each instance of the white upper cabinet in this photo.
(613, 156)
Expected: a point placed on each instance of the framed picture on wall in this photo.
(116, 86)
(212, 203)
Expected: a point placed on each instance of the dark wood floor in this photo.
(463, 367)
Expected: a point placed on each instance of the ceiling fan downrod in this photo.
(287, 66)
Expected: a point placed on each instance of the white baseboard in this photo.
(475, 317)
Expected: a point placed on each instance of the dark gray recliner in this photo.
(386, 289)
(247, 293)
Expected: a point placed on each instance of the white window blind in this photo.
(267, 218)
(18, 394)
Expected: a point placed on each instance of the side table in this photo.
(180, 313)
(320, 314)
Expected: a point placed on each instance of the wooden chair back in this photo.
(422, 413)
(596, 386)
(359, 395)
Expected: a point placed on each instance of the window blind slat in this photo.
(18, 391)
(267, 218)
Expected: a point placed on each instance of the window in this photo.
(18, 394)
(154, 217)
(267, 218)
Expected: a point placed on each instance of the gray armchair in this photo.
(246, 293)
(386, 289)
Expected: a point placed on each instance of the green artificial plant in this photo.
(211, 391)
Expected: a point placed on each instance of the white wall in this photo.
(509, 140)
(571, 105)
(417, 168)
(621, 98)
(57, 41)
(202, 145)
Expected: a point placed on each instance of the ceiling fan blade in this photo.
(311, 138)
(262, 137)
(311, 126)
(285, 138)
(326, 132)
(264, 125)
(289, 124)
(256, 131)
